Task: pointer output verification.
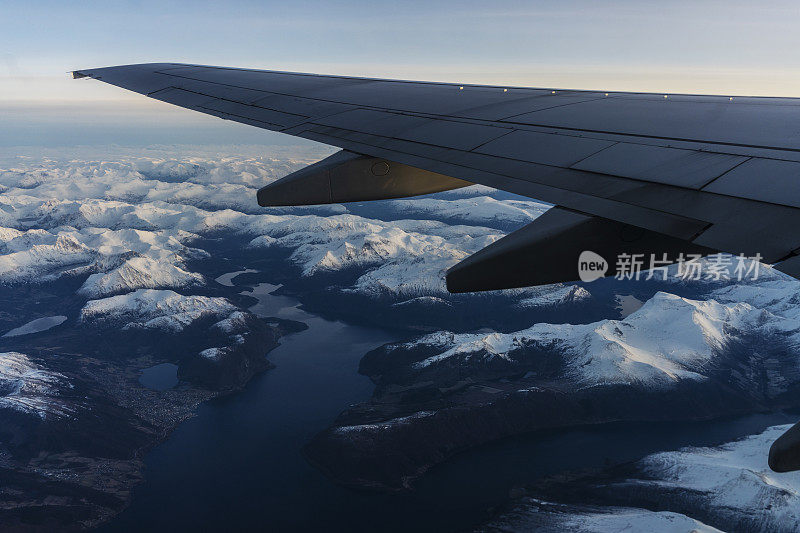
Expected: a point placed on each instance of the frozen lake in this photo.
(35, 326)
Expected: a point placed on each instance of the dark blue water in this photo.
(160, 377)
(237, 464)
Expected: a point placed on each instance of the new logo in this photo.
(591, 266)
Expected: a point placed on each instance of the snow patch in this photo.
(549, 295)
(27, 388)
(212, 354)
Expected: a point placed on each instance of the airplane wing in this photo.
(632, 173)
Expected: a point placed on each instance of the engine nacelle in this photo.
(349, 177)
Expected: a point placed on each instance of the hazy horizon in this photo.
(681, 47)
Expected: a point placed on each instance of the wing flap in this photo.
(543, 148)
(767, 180)
(236, 111)
(672, 166)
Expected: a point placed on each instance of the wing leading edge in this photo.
(683, 173)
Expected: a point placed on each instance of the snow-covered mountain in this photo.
(668, 339)
(674, 358)
(139, 272)
(156, 309)
(84, 216)
(729, 487)
(732, 481)
(483, 210)
(547, 517)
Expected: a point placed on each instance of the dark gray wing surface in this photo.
(718, 172)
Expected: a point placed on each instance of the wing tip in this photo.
(96, 73)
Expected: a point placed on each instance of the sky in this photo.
(717, 47)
